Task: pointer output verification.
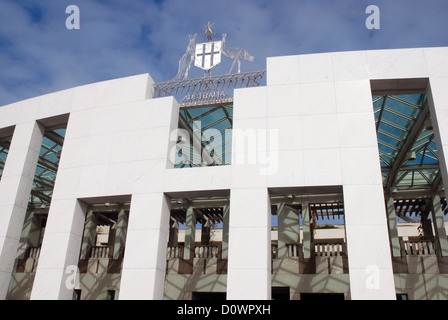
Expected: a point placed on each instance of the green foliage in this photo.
(326, 226)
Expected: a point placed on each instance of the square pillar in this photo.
(368, 246)
(249, 256)
(190, 233)
(174, 233)
(89, 235)
(57, 271)
(225, 232)
(438, 107)
(32, 228)
(308, 230)
(288, 228)
(205, 233)
(15, 189)
(120, 233)
(144, 264)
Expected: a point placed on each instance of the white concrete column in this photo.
(368, 246)
(366, 225)
(438, 107)
(143, 273)
(249, 264)
(55, 276)
(15, 189)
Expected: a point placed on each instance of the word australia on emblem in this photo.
(204, 96)
(208, 54)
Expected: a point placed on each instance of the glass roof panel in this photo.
(46, 169)
(3, 155)
(213, 122)
(395, 116)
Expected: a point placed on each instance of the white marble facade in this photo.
(314, 126)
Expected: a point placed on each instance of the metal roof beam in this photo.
(381, 112)
(41, 196)
(48, 164)
(428, 166)
(53, 136)
(411, 138)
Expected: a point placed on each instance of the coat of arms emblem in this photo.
(208, 90)
(208, 54)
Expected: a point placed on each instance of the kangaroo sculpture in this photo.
(235, 53)
(186, 60)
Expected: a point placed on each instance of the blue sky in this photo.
(117, 38)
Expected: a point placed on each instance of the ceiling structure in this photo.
(408, 151)
(47, 167)
(207, 137)
(208, 208)
(406, 141)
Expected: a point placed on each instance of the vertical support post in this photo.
(288, 228)
(225, 232)
(144, 263)
(56, 274)
(439, 225)
(120, 233)
(426, 221)
(307, 230)
(368, 246)
(35, 230)
(438, 108)
(249, 264)
(174, 233)
(392, 223)
(15, 189)
(30, 232)
(89, 235)
(190, 233)
(205, 233)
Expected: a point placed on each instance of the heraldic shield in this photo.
(208, 54)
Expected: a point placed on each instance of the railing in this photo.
(175, 252)
(201, 251)
(207, 251)
(33, 252)
(28, 263)
(99, 252)
(417, 248)
(294, 250)
(329, 249)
